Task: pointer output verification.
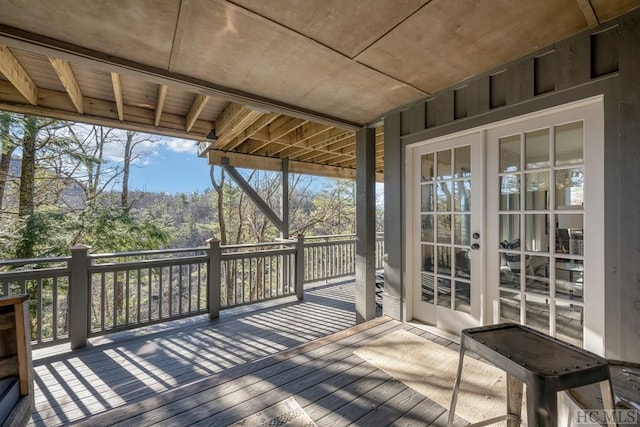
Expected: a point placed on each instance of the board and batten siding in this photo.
(603, 61)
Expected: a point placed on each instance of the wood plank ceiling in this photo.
(278, 79)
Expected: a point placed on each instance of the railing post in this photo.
(213, 277)
(299, 285)
(79, 296)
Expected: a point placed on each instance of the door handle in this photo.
(475, 246)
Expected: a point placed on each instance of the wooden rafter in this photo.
(283, 125)
(117, 94)
(69, 81)
(11, 68)
(198, 104)
(234, 119)
(334, 136)
(162, 94)
(250, 131)
(589, 14)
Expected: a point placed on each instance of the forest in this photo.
(64, 183)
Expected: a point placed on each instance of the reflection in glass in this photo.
(426, 287)
(570, 234)
(426, 197)
(427, 167)
(536, 145)
(444, 260)
(427, 258)
(510, 193)
(462, 196)
(463, 263)
(444, 228)
(463, 297)
(570, 188)
(443, 196)
(462, 229)
(463, 162)
(569, 143)
(536, 232)
(570, 279)
(428, 228)
(569, 322)
(509, 229)
(510, 153)
(443, 171)
(537, 278)
(509, 307)
(537, 312)
(537, 191)
(510, 270)
(444, 292)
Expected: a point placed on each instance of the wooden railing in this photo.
(119, 291)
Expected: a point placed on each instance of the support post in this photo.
(213, 277)
(299, 285)
(365, 224)
(79, 296)
(284, 206)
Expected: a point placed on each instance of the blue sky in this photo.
(171, 170)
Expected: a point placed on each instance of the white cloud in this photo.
(180, 145)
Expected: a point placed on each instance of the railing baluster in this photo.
(38, 286)
(103, 299)
(54, 296)
(126, 296)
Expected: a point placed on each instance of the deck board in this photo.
(202, 372)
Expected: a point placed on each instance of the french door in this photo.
(447, 256)
(506, 224)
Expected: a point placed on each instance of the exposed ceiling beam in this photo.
(117, 94)
(39, 44)
(56, 104)
(267, 163)
(69, 81)
(16, 74)
(198, 104)
(335, 135)
(162, 94)
(284, 125)
(232, 121)
(250, 131)
(589, 14)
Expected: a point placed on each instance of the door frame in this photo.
(591, 110)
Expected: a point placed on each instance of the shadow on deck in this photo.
(128, 367)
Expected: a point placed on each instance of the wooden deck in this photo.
(201, 372)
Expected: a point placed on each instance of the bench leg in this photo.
(456, 386)
(514, 401)
(542, 406)
(607, 401)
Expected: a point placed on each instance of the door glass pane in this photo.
(509, 307)
(444, 228)
(463, 297)
(537, 312)
(537, 191)
(510, 153)
(426, 197)
(463, 263)
(570, 188)
(443, 169)
(569, 144)
(537, 149)
(510, 192)
(537, 278)
(536, 229)
(428, 228)
(570, 279)
(509, 229)
(443, 194)
(462, 196)
(569, 323)
(570, 234)
(462, 229)
(444, 260)
(427, 258)
(463, 162)
(444, 292)
(510, 270)
(427, 167)
(426, 285)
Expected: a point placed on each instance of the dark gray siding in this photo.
(603, 61)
